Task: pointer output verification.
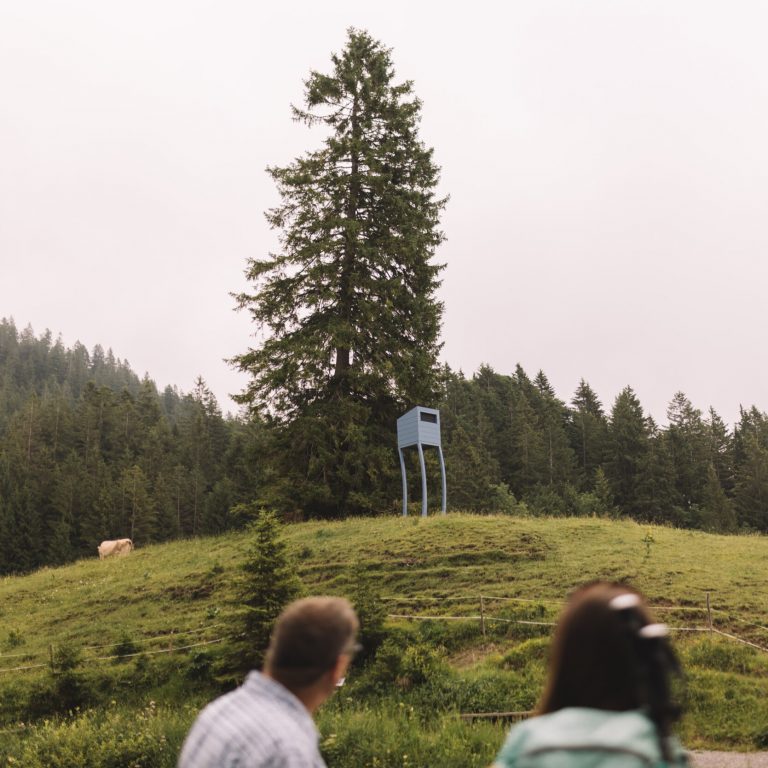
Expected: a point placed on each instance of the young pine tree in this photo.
(269, 583)
(370, 609)
(604, 495)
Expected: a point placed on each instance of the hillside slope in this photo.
(171, 605)
(527, 557)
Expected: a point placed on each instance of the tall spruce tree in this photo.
(656, 499)
(751, 495)
(553, 417)
(720, 450)
(689, 447)
(627, 450)
(588, 431)
(348, 301)
(530, 466)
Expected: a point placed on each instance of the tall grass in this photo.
(395, 735)
(114, 738)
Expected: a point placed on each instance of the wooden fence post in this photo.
(482, 616)
(709, 613)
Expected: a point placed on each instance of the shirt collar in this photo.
(258, 683)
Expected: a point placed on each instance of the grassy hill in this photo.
(164, 611)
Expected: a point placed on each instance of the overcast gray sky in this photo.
(607, 164)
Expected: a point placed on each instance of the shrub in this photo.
(149, 738)
(503, 501)
(435, 632)
(405, 666)
(545, 501)
(529, 651)
(65, 658)
(200, 666)
(391, 735)
(70, 688)
(385, 668)
(487, 690)
(125, 647)
(421, 664)
(14, 639)
(371, 612)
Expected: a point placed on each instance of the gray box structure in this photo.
(420, 427)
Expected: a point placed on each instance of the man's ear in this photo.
(340, 668)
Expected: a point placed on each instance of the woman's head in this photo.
(608, 655)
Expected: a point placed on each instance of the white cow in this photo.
(116, 547)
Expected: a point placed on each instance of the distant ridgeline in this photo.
(88, 451)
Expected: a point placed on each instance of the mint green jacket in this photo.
(586, 738)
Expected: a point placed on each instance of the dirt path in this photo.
(729, 759)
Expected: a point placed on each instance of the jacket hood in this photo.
(581, 728)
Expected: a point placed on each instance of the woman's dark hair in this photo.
(607, 654)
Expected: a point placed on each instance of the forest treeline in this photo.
(512, 444)
(89, 451)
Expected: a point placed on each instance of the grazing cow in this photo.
(117, 547)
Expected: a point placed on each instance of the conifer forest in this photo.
(88, 451)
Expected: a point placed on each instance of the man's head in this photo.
(312, 644)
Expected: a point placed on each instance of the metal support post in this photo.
(423, 481)
(405, 483)
(442, 474)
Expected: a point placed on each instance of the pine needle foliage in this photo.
(347, 304)
(269, 583)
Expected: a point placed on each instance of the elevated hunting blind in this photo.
(420, 427)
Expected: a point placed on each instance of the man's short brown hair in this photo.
(308, 639)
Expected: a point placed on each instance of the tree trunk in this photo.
(133, 508)
(29, 436)
(346, 293)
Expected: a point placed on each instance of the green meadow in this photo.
(106, 662)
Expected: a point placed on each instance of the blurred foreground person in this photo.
(267, 721)
(607, 703)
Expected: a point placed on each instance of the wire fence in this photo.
(155, 638)
(129, 643)
(162, 650)
(485, 616)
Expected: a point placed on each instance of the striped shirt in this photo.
(261, 724)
